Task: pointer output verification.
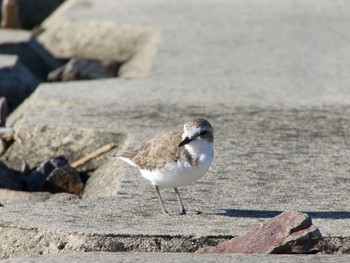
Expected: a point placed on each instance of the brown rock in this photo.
(289, 232)
(55, 176)
(64, 179)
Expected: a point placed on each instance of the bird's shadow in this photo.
(246, 213)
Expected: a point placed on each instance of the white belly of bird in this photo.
(180, 173)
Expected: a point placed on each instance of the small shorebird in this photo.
(175, 158)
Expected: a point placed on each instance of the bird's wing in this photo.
(159, 150)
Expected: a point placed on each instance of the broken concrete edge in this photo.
(41, 241)
(34, 242)
(134, 46)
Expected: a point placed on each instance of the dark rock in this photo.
(80, 69)
(64, 179)
(291, 232)
(17, 82)
(10, 179)
(37, 179)
(55, 176)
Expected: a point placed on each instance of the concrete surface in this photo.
(271, 76)
(177, 257)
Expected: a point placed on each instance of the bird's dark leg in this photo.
(160, 199)
(183, 210)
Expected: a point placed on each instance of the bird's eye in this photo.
(203, 133)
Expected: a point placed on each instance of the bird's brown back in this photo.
(158, 151)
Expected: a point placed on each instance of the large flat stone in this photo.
(178, 257)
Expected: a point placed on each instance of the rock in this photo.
(55, 176)
(64, 179)
(80, 69)
(105, 180)
(37, 179)
(17, 81)
(290, 232)
(10, 179)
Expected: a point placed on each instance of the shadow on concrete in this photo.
(273, 213)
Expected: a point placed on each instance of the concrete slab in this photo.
(272, 79)
(177, 257)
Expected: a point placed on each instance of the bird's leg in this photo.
(183, 210)
(160, 199)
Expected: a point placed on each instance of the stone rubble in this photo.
(54, 175)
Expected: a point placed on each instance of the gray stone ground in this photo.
(271, 76)
(176, 257)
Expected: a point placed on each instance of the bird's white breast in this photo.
(181, 173)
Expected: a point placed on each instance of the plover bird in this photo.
(175, 158)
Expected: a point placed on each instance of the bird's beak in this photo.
(185, 141)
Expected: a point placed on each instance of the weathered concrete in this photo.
(269, 75)
(133, 46)
(177, 257)
(37, 143)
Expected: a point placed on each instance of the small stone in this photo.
(80, 69)
(289, 232)
(64, 179)
(36, 180)
(55, 176)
